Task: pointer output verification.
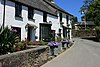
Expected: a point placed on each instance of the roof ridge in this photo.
(57, 7)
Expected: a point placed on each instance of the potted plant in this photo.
(52, 46)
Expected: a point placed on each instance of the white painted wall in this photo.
(1, 12)
(64, 19)
(55, 23)
(38, 16)
(69, 22)
(12, 21)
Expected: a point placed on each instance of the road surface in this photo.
(84, 53)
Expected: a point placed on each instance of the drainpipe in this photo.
(4, 13)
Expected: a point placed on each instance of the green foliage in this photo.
(37, 43)
(7, 40)
(65, 39)
(97, 28)
(91, 9)
(30, 43)
(58, 39)
(20, 46)
(44, 43)
(75, 20)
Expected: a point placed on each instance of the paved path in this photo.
(84, 53)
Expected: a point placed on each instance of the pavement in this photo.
(84, 53)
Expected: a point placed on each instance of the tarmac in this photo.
(84, 53)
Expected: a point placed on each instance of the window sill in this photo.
(31, 19)
(17, 17)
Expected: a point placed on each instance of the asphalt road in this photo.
(84, 53)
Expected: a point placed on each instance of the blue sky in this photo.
(71, 6)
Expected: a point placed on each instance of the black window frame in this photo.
(18, 9)
(30, 13)
(60, 14)
(44, 17)
(45, 32)
(67, 19)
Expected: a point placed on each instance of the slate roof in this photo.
(40, 5)
(57, 7)
(91, 23)
(37, 4)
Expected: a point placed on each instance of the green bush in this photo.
(97, 28)
(37, 43)
(7, 40)
(21, 46)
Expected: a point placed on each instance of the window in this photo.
(67, 19)
(60, 17)
(45, 32)
(18, 31)
(44, 17)
(18, 9)
(30, 13)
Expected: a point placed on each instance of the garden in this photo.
(12, 48)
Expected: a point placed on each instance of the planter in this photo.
(52, 46)
(65, 43)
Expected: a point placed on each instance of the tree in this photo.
(91, 9)
(74, 20)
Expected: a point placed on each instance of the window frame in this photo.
(18, 9)
(67, 19)
(30, 13)
(44, 17)
(60, 15)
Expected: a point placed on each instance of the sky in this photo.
(71, 6)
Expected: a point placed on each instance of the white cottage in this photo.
(35, 19)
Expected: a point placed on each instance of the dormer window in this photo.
(30, 13)
(44, 17)
(18, 9)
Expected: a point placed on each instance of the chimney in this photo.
(52, 1)
(49, 0)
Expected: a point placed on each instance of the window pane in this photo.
(60, 16)
(18, 9)
(30, 13)
(44, 17)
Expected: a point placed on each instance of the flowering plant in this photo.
(65, 41)
(20, 46)
(53, 44)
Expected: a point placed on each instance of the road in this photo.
(84, 53)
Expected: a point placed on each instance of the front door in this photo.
(31, 34)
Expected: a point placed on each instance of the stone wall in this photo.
(83, 33)
(28, 58)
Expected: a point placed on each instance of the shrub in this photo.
(97, 28)
(7, 40)
(39, 43)
(21, 46)
(58, 39)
